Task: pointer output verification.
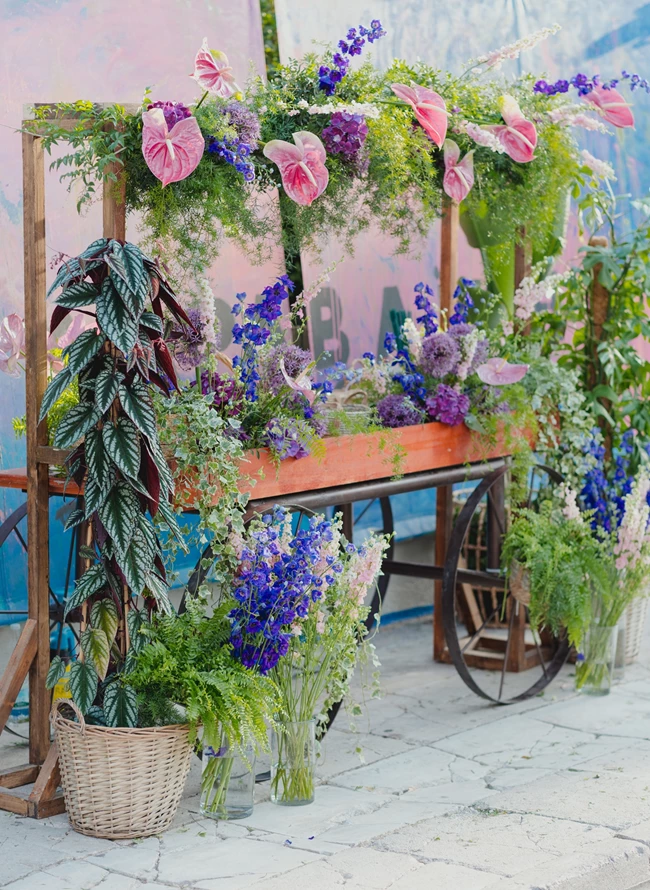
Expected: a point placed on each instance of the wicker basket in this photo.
(635, 616)
(120, 783)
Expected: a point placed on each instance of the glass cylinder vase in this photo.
(293, 762)
(595, 663)
(227, 782)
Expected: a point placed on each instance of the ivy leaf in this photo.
(75, 424)
(95, 716)
(75, 518)
(122, 445)
(136, 562)
(83, 684)
(97, 460)
(92, 580)
(135, 621)
(74, 296)
(166, 512)
(82, 350)
(120, 705)
(119, 515)
(114, 318)
(137, 402)
(96, 647)
(127, 266)
(55, 673)
(94, 496)
(166, 478)
(106, 386)
(149, 533)
(151, 321)
(55, 389)
(103, 615)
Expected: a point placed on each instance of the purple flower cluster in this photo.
(245, 121)
(276, 586)
(440, 354)
(462, 329)
(463, 302)
(286, 438)
(398, 410)
(173, 112)
(295, 361)
(227, 393)
(583, 84)
(330, 76)
(187, 343)
(235, 153)
(448, 405)
(429, 317)
(345, 133)
(256, 329)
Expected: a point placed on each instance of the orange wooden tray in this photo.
(347, 459)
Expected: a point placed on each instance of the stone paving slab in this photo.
(453, 794)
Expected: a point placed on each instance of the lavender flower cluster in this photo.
(172, 111)
(345, 134)
(585, 85)
(235, 153)
(245, 122)
(276, 585)
(330, 76)
(256, 330)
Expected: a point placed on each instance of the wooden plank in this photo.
(444, 514)
(37, 473)
(49, 778)
(19, 775)
(17, 669)
(448, 253)
(113, 203)
(54, 456)
(13, 804)
(46, 808)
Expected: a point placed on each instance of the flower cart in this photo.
(354, 468)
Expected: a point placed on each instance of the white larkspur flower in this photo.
(601, 169)
(573, 115)
(413, 336)
(205, 306)
(497, 57)
(570, 510)
(367, 109)
(482, 137)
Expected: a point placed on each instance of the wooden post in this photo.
(444, 500)
(598, 307)
(37, 471)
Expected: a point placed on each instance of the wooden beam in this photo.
(17, 776)
(448, 253)
(14, 804)
(37, 473)
(55, 457)
(17, 669)
(46, 808)
(113, 202)
(49, 778)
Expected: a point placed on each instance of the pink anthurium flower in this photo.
(518, 136)
(213, 73)
(611, 106)
(12, 343)
(171, 155)
(302, 166)
(499, 372)
(302, 383)
(459, 176)
(429, 108)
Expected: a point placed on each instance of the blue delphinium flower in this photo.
(585, 85)
(330, 76)
(463, 302)
(234, 152)
(429, 317)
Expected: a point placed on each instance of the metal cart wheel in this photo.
(489, 639)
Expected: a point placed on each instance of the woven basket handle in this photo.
(56, 709)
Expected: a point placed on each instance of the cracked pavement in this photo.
(455, 793)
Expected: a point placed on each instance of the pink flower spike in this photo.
(171, 155)
(611, 106)
(302, 383)
(213, 73)
(499, 372)
(518, 136)
(12, 343)
(459, 177)
(302, 166)
(429, 108)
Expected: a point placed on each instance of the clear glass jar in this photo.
(293, 763)
(227, 782)
(596, 658)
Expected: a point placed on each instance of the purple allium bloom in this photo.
(448, 405)
(345, 133)
(188, 346)
(440, 354)
(458, 331)
(245, 121)
(173, 112)
(398, 410)
(295, 361)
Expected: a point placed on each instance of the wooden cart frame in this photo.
(32, 652)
